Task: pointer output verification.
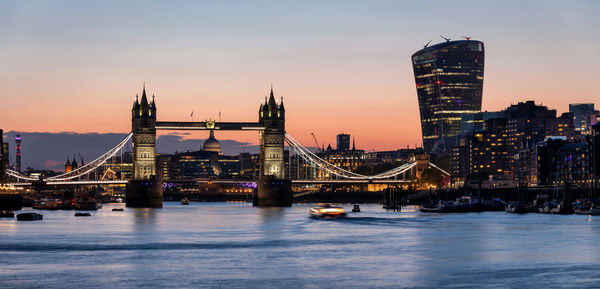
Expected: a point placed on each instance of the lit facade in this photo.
(18, 152)
(197, 165)
(143, 123)
(3, 155)
(527, 144)
(449, 80)
(584, 116)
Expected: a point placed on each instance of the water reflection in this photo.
(239, 246)
(272, 222)
(144, 218)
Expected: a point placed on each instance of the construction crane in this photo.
(316, 142)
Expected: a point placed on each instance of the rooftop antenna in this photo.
(447, 39)
(466, 37)
(425, 46)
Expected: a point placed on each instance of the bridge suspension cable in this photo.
(331, 169)
(17, 175)
(81, 171)
(439, 169)
(91, 166)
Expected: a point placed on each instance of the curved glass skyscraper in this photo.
(449, 78)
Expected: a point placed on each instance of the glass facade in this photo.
(584, 116)
(449, 80)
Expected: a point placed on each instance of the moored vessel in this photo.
(518, 208)
(439, 207)
(7, 214)
(29, 217)
(185, 201)
(595, 211)
(86, 201)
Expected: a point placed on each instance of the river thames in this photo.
(235, 245)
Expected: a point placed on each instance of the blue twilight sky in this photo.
(342, 65)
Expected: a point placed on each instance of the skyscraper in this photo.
(18, 149)
(449, 79)
(3, 156)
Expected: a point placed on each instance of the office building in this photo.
(18, 152)
(449, 81)
(343, 142)
(3, 156)
(584, 116)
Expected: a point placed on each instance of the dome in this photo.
(212, 144)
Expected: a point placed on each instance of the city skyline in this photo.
(339, 68)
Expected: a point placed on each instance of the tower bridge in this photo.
(144, 189)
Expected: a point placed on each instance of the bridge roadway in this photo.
(209, 181)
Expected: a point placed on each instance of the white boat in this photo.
(327, 211)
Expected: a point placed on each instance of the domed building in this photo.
(209, 162)
(212, 144)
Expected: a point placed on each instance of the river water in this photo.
(235, 245)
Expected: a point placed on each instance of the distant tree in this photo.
(432, 176)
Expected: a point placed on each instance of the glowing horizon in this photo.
(341, 66)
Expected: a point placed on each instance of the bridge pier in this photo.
(144, 193)
(272, 192)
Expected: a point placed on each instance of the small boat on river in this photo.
(7, 214)
(29, 217)
(185, 201)
(87, 201)
(595, 211)
(327, 211)
(440, 207)
(518, 208)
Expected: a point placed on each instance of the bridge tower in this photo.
(274, 189)
(145, 189)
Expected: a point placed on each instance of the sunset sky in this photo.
(340, 65)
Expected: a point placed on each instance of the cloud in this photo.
(175, 142)
(53, 164)
(43, 150)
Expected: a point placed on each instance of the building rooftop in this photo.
(445, 44)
